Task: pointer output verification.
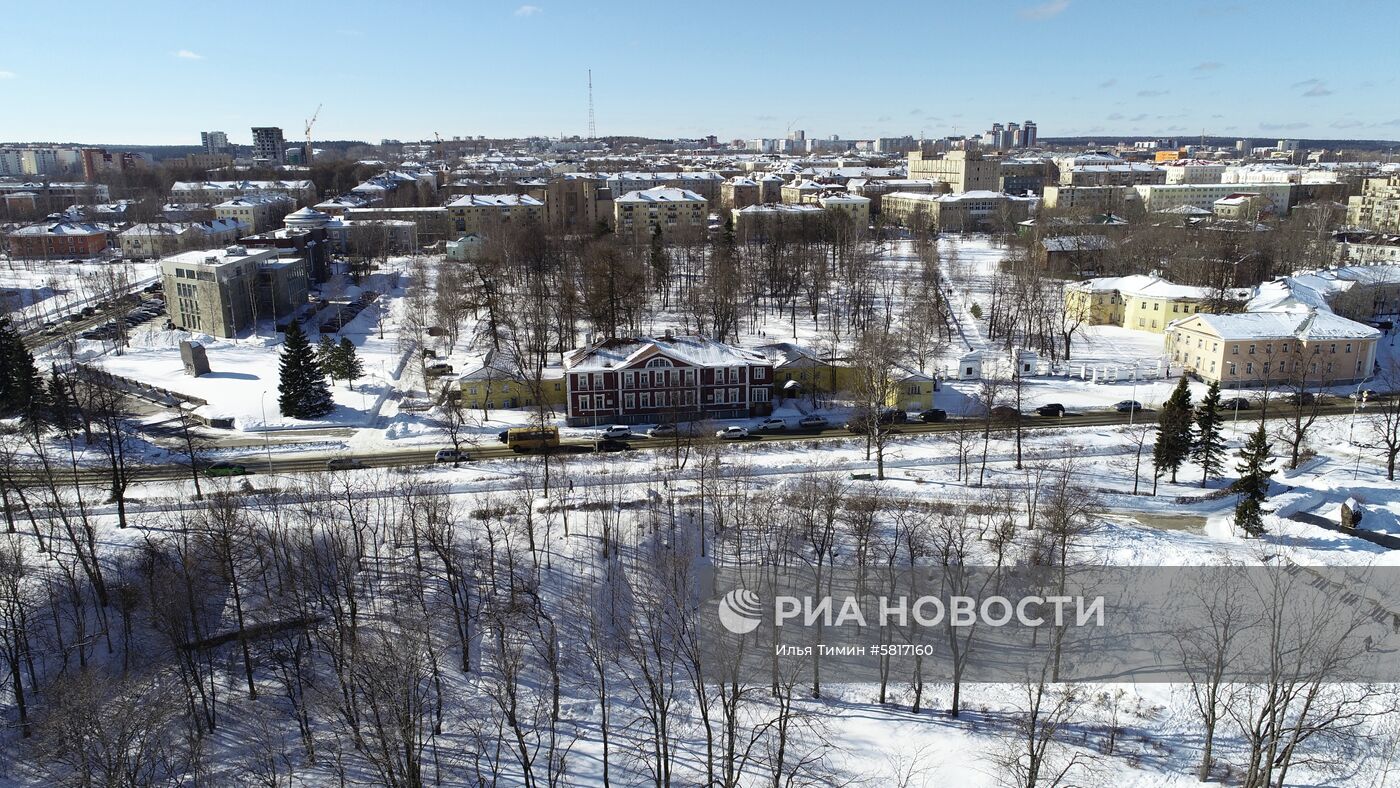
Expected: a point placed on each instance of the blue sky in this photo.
(160, 72)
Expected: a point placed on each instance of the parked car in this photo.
(609, 444)
(226, 469)
(433, 369)
(1236, 403)
(89, 311)
(450, 455)
(1128, 406)
(663, 431)
(1005, 412)
(618, 431)
(860, 421)
(813, 422)
(732, 433)
(1301, 398)
(1053, 409)
(772, 425)
(345, 464)
(933, 415)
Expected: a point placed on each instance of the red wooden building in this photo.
(648, 380)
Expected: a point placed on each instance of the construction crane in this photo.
(438, 137)
(309, 124)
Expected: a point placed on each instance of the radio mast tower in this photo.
(592, 127)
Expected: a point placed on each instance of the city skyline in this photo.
(1079, 67)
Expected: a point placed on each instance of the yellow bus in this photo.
(532, 438)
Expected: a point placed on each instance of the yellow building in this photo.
(675, 211)
(493, 385)
(1301, 348)
(478, 214)
(913, 391)
(1142, 303)
(803, 372)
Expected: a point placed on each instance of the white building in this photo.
(1162, 197)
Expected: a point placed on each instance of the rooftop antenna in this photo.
(592, 126)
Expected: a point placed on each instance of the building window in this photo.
(646, 399)
(629, 380)
(734, 395)
(1251, 350)
(760, 395)
(1234, 350)
(585, 402)
(629, 401)
(597, 380)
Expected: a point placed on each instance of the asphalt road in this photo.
(315, 462)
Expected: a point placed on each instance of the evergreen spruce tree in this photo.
(22, 389)
(1253, 484)
(348, 363)
(1173, 445)
(62, 407)
(302, 390)
(326, 357)
(1209, 449)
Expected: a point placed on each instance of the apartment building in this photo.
(577, 202)
(222, 292)
(762, 221)
(962, 170)
(1098, 199)
(647, 380)
(160, 239)
(259, 212)
(852, 205)
(483, 214)
(674, 211)
(1293, 349)
(1377, 207)
(740, 192)
(956, 212)
(1163, 197)
(301, 191)
(432, 223)
(1097, 168)
(268, 145)
(1357, 248)
(58, 240)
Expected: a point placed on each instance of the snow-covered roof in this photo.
(1075, 243)
(661, 194)
(60, 228)
(1308, 325)
(495, 200)
(1142, 286)
(692, 349)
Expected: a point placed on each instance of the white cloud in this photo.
(1044, 10)
(185, 54)
(7, 75)
(528, 10)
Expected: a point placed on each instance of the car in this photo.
(1363, 395)
(609, 445)
(76, 317)
(1301, 398)
(226, 469)
(813, 422)
(449, 455)
(663, 431)
(772, 425)
(1053, 409)
(893, 416)
(88, 311)
(933, 415)
(859, 422)
(1236, 403)
(617, 431)
(1128, 406)
(433, 369)
(345, 464)
(1005, 412)
(732, 433)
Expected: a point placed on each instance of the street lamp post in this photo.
(267, 445)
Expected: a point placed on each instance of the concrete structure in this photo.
(962, 170)
(1243, 206)
(1297, 349)
(665, 379)
(215, 143)
(1377, 207)
(1194, 171)
(1098, 168)
(269, 145)
(432, 223)
(1162, 197)
(302, 192)
(956, 212)
(1357, 248)
(484, 214)
(758, 222)
(675, 211)
(1098, 199)
(223, 292)
(160, 239)
(740, 192)
(852, 205)
(59, 240)
(259, 212)
(1142, 303)
(577, 203)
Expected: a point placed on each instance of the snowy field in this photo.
(42, 291)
